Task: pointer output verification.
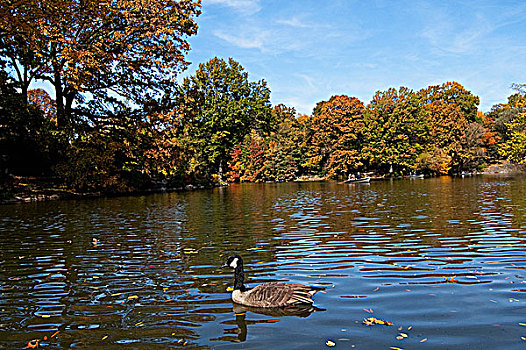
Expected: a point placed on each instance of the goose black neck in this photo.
(239, 276)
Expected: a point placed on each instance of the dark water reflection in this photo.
(443, 259)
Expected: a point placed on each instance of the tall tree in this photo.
(514, 149)
(220, 106)
(452, 93)
(128, 48)
(395, 130)
(337, 127)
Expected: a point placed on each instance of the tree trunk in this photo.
(59, 100)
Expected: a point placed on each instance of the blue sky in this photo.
(308, 51)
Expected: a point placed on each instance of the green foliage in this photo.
(514, 149)
(395, 131)
(219, 107)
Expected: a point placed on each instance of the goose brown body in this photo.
(270, 294)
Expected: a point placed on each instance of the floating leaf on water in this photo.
(522, 324)
(54, 334)
(344, 339)
(270, 321)
(45, 316)
(404, 335)
(132, 297)
(32, 344)
(115, 294)
(423, 340)
(523, 338)
(395, 348)
(399, 337)
(372, 321)
(330, 343)
(229, 289)
(105, 337)
(368, 310)
(353, 296)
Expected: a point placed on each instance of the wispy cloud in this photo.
(243, 6)
(245, 40)
(293, 22)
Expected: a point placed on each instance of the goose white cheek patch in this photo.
(233, 264)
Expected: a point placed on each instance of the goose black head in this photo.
(233, 262)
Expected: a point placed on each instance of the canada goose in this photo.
(270, 294)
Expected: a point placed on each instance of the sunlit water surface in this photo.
(443, 259)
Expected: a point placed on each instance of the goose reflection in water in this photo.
(239, 333)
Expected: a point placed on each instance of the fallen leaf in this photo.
(32, 344)
(270, 321)
(372, 321)
(330, 343)
(54, 334)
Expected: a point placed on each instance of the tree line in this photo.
(121, 121)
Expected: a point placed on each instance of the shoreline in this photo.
(25, 194)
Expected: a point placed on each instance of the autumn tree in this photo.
(337, 135)
(219, 107)
(514, 149)
(28, 145)
(452, 93)
(395, 131)
(286, 151)
(133, 49)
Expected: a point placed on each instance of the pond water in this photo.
(443, 259)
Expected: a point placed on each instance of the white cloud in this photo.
(245, 41)
(243, 6)
(293, 22)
